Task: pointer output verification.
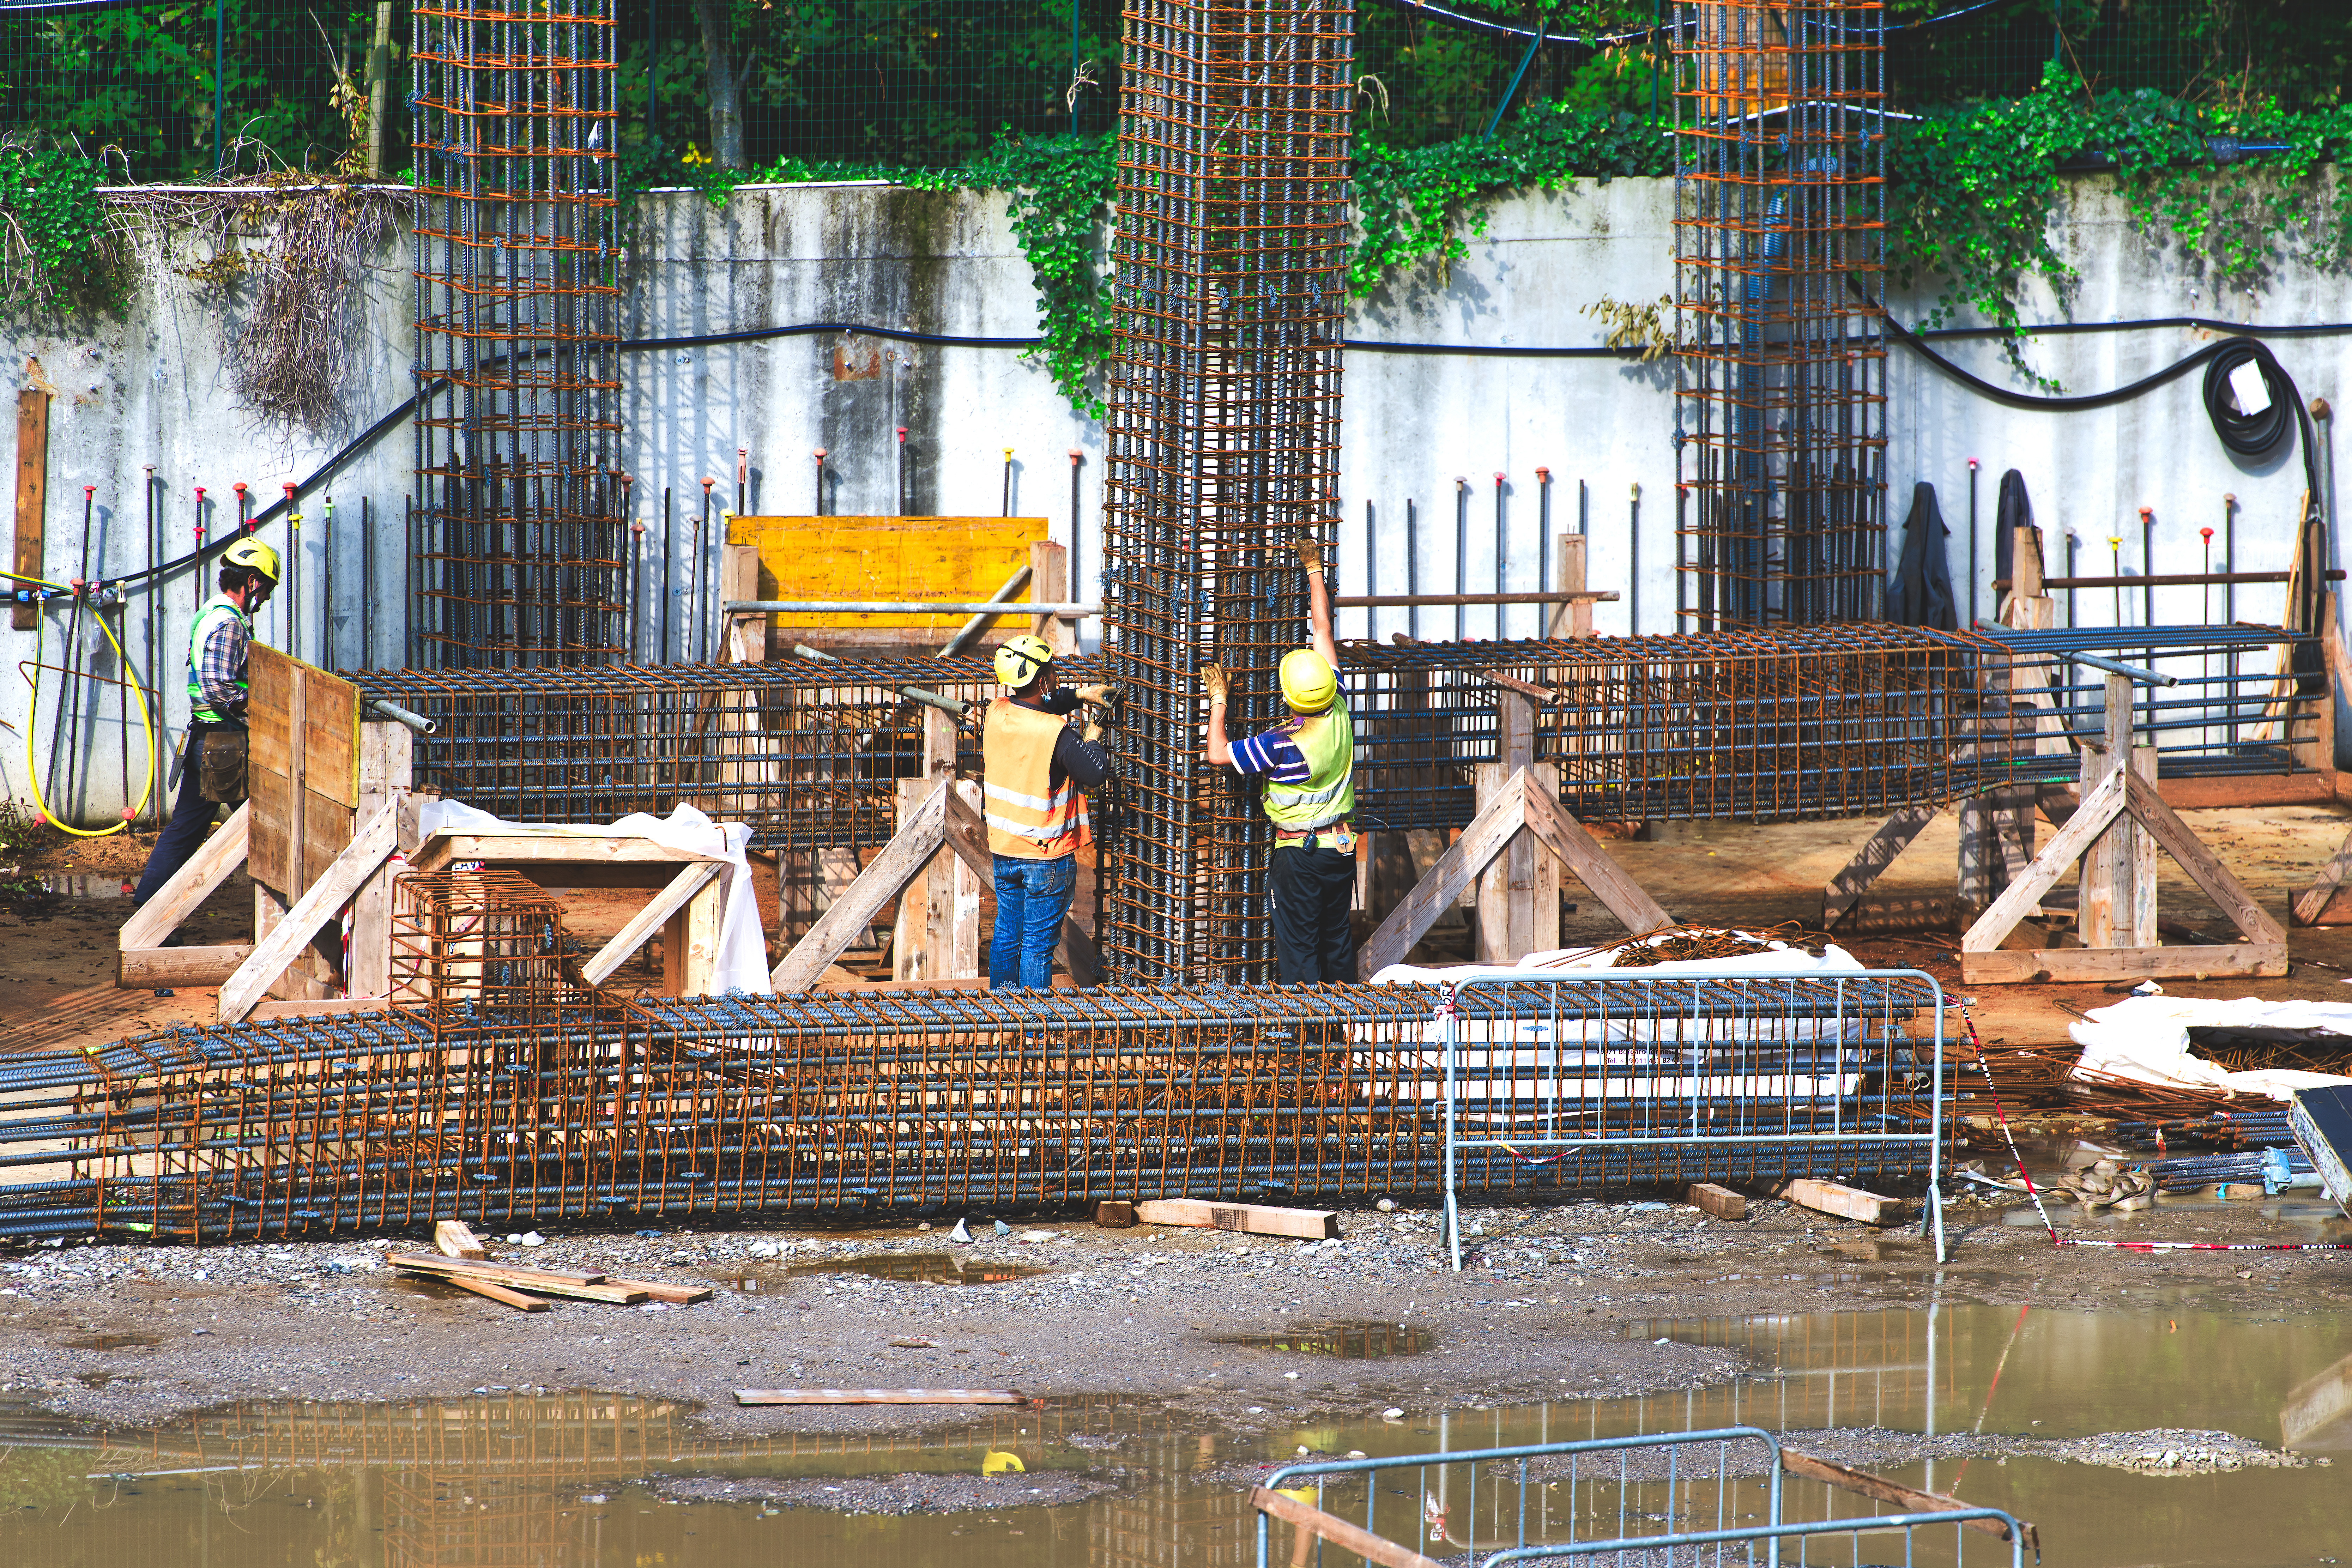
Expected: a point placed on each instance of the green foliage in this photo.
(1971, 192)
(1414, 203)
(58, 248)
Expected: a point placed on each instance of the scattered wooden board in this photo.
(1114, 1214)
(1256, 1219)
(500, 1293)
(1845, 1202)
(1720, 1202)
(512, 1273)
(456, 1239)
(878, 1396)
(662, 1290)
(1337, 1531)
(1847, 1478)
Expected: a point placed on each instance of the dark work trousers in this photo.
(1312, 892)
(192, 818)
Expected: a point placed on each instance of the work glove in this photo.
(1094, 733)
(1100, 696)
(1212, 680)
(1310, 555)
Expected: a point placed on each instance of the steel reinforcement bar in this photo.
(586, 1108)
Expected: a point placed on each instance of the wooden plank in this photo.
(907, 853)
(2100, 807)
(690, 943)
(498, 1293)
(191, 884)
(520, 1274)
(2311, 902)
(523, 851)
(1877, 852)
(1115, 1214)
(1328, 1527)
(326, 829)
(319, 903)
(143, 968)
(1049, 583)
(1443, 883)
(456, 1239)
(610, 1295)
(1863, 1482)
(878, 1396)
(2076, 965)
(1720, 1202)
(2212, 878)
(299, 867)
(662, 1290)
(646, 921)
(1846, 1203)
(2135, 906)
(967, 832)
(1584, 856)
(268, 780)
(32, 497)
(330, 737)
(1255, 1219)
(1573, 618)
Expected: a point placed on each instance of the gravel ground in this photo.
(138, 1334)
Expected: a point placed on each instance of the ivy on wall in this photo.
(56, 246)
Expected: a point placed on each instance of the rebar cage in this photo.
(1222, 440)
(899, 1102)
(1779, 299)
(519, 520)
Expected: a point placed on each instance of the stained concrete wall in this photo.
(148, 389)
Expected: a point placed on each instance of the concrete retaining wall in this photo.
(148, 390)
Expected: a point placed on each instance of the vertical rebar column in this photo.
(1223, 441)
(1779, 263)
(516, 302)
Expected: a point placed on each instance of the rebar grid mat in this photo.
(1223, 441)
(1779, 297)
(903, 1102)
(485, 940)
(1771, 725)
(519, 517)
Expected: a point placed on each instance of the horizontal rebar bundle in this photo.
(1762, 726)
(1222, 443)
(582, 1107)
(1780, 296)
(517, 144)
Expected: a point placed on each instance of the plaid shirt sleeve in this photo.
(221, 666)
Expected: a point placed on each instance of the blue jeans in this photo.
(1032, 897)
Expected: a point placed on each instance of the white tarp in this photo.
(742, 942)
(2146, 1039)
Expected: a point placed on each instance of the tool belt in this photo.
(1339, 836)
(221, 764)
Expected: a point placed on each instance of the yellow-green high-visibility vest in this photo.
(202, 627)
(1328, 741)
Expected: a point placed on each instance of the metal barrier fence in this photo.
(569, 1105)
(1654, 1500)
(1613, 1081)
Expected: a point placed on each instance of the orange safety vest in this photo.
(1027, 816)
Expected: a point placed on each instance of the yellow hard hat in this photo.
(1021, 658)
(1308, 684)
(250, 551)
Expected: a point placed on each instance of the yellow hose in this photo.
(31, 727)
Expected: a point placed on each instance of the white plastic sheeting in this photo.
(2146, 1039)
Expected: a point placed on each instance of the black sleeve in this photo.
(1086, 764)
(1060, 703)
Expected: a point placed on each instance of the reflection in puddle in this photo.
(554, 1480)
(1347, 1342)
(921, 1269)
(112, 1342)
(85, 885)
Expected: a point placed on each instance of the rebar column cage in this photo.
(1222, 440)
(1780, 298)
(488, 941)
(518, 523)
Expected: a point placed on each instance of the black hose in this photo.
(2253, 436)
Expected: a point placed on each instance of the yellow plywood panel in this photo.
(872, 558)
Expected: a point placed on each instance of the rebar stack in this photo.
(1234, 221)
(1780, 263)
(484, 943)
(909, 1101)
(519, 522)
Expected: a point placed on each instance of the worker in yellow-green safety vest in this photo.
(217, 642)
(1309, 763)
(1034, 767)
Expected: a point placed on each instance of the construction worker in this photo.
(217, 642)
(1309, 763)
(1036, 765)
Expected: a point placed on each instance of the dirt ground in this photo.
(136, 1334)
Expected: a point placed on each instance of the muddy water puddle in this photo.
(579, 1480)
(1346, 1342)
(917, 1267)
